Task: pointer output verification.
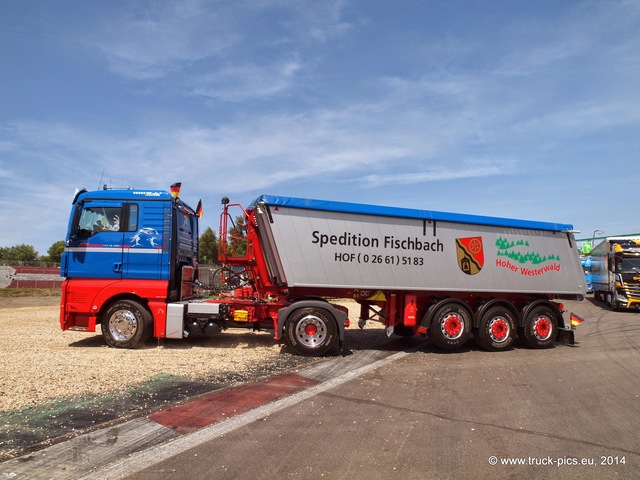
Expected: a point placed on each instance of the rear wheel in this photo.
(311, 331)
(497, 329)
(450, 326)
(540, 327)
(126, 324)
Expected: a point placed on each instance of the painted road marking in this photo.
(144, 459)
(220, 406)
(127, 448)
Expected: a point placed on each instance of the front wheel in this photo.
(126, 324)
(540, 327)
(311, 331)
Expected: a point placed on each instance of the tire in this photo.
(540, 327)
(497, 329)
(450, 326)
(126, 324)
(613, 301)
(311, 331)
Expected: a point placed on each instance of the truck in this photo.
(615, 271)
(290, 263)
(585, 260)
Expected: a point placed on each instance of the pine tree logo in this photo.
(521, 252)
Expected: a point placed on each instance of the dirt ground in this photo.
(20, 302)
(40, 362)
(56, 383)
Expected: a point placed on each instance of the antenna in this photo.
(101, 177)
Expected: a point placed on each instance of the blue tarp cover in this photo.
(357, 208)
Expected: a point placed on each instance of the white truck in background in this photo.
(615, 272)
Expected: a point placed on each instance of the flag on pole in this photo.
(199, 209)
(575, 319)
(175, 190)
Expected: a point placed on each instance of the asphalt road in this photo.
(567, 412)
(416, 413)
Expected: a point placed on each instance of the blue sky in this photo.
(520, 109)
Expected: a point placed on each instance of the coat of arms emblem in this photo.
(470, 254)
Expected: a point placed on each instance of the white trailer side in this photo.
(318, 244)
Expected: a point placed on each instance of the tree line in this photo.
(24, 254)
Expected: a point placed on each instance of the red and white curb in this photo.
(124, 449)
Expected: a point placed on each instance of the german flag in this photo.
(175, 189)
(575, 319)
(199, 209)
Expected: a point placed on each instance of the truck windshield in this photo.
(627, 265)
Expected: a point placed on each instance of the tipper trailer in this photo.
(441, 275)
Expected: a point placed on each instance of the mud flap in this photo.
(566, 337)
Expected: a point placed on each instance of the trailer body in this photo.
(330, 245)
(615, 269)
(418, 272)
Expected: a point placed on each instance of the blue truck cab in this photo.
(140, 245)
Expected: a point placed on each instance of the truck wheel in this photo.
(126, 324)
(497, 329)
(612, 301)
(311, 331)
(450, 326)
(540, 327)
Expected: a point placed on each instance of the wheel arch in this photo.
(537, 303)
(497, 302)
(427, 316)
(116, 298)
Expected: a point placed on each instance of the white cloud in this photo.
(237, 82)
(216, 41)
(162, 39)
(440, 173)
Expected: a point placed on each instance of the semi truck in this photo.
(615, 272)
(130, 266)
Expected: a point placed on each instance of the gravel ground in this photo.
(40, 362)
(55, 385)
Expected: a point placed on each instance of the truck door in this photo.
(147, 240)
(95, 242)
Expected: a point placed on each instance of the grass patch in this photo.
(29, 292)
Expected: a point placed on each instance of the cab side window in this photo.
(100, 219)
